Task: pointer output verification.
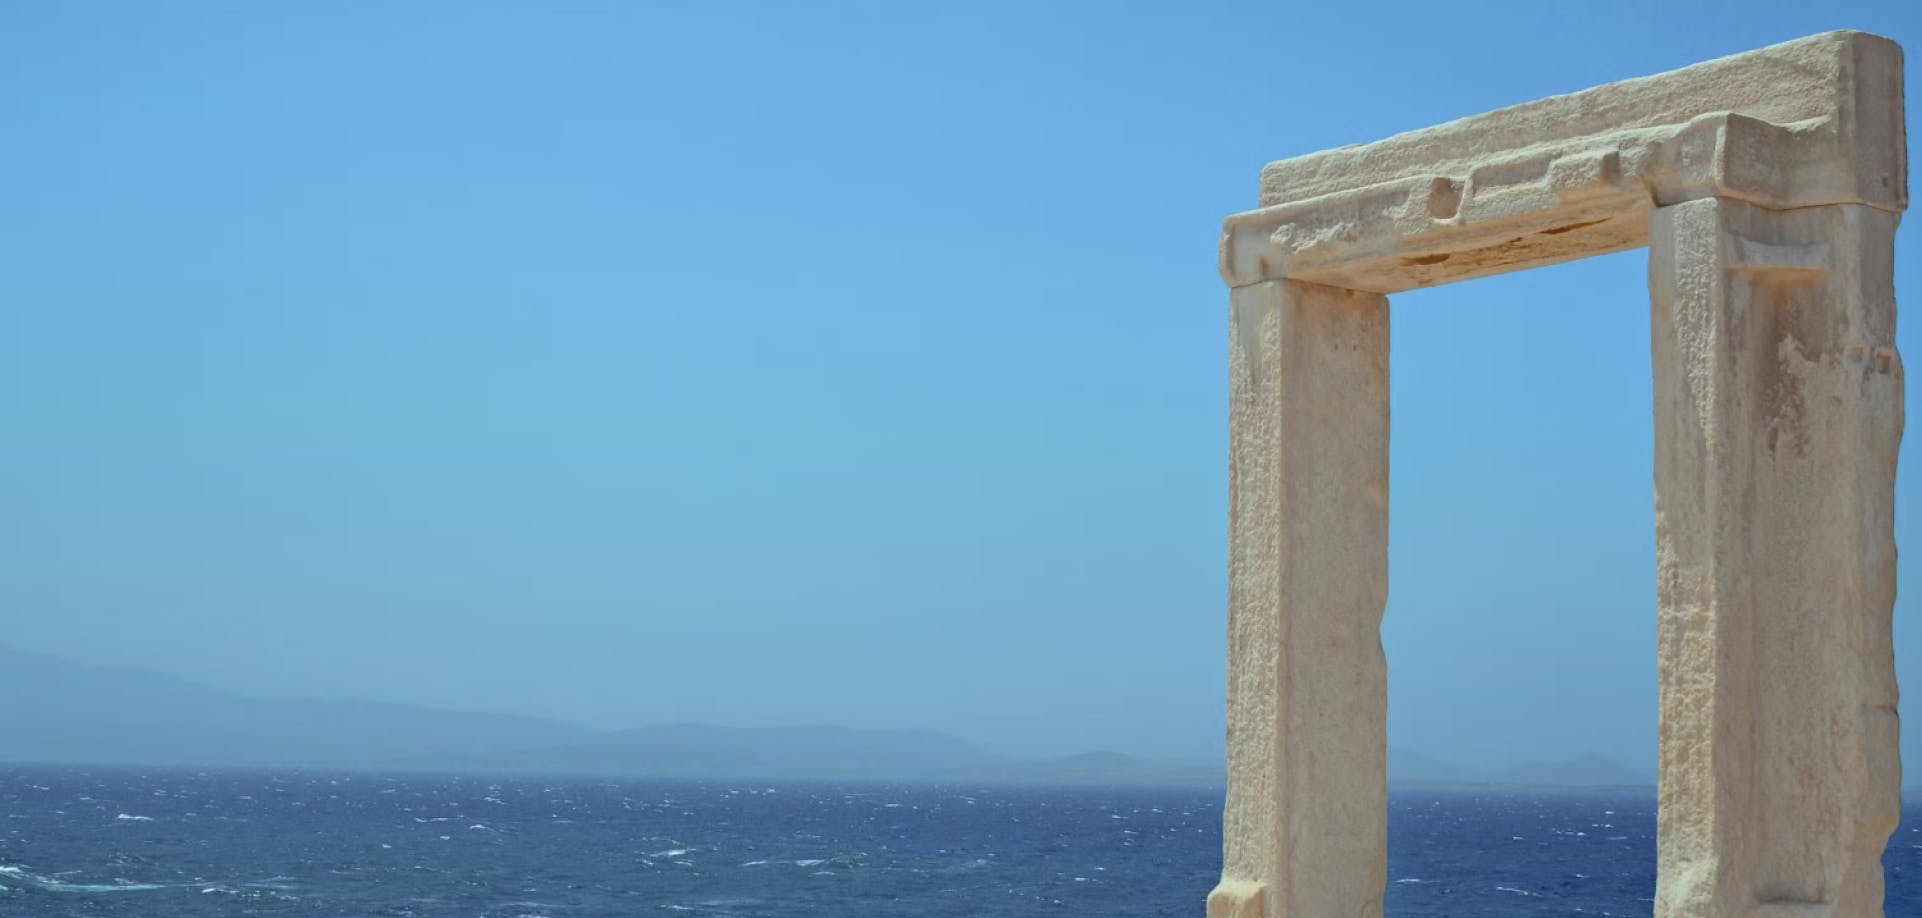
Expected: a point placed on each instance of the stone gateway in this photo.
(1767, 187)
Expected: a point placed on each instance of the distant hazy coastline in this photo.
(60, 711)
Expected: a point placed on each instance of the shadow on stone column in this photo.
(1778, 411)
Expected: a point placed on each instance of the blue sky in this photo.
(771, 364)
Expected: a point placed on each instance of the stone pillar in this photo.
(1778, 410)
(1305, 824)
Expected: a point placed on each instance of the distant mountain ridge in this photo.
(1406, 767)
(58, 711)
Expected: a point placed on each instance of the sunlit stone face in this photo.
(1767, 187)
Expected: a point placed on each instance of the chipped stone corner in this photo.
(1236, 899)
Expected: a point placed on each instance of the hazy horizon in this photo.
(628, 365)
(87, 693)
(90, 716)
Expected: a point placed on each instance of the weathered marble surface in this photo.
(1768, 187)
(1308, 578)
(1809, 122)
(1778, 410)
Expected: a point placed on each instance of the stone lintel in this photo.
(1806, 123)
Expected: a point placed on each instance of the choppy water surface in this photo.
(171, 845)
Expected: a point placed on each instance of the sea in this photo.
(185, 844)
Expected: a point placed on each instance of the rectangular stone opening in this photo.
(1767, 187)
(1521, 552)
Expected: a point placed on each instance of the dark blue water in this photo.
(171, 845)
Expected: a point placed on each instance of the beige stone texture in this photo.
(1306, 818)
(1778, 410)
(1768, 186)
(1809, 122)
